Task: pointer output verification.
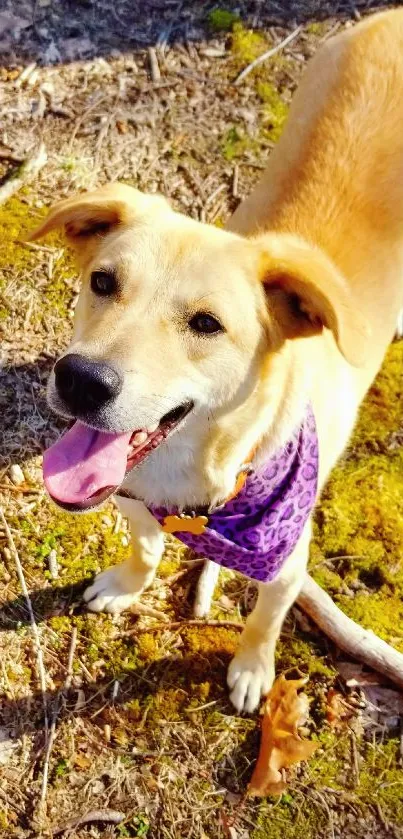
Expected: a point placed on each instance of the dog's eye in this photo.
(103, 283)
(205, 324)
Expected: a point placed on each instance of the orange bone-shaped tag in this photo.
(185, 524)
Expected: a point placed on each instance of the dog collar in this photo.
(257, 529)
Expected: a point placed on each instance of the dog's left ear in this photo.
(310, 293)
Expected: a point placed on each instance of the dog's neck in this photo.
(199, 465)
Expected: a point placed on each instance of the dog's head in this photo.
(174, 321)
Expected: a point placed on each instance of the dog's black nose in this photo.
(84, 384)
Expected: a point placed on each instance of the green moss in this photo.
(359, 523)
(305, 654)
(235, 143)
(292, 816)
(246, 45)
(4, 822)
(17, 219)
(381, 414)
(274, 111)
(210, 640)
(221, 20)
(381, 612)
(315, 28)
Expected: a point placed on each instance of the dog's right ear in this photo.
(90, 213)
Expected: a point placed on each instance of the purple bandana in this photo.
(256, 531)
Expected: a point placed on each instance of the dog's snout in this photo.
(85, 384)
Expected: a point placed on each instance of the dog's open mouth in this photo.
(85, 466)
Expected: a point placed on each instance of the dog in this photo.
(203, 360)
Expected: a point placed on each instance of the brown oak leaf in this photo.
(281, 745)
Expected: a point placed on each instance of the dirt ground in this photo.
(113, 727)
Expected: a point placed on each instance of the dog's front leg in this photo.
(251, 672)
(117, 588)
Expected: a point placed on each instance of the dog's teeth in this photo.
(139, 438)
(152, 428)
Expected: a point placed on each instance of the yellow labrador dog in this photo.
(207, 367)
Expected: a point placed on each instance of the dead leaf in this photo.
(281, 746)
(338, 711)
(82, 761)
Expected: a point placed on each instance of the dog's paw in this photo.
(250, 676)
(115, 590)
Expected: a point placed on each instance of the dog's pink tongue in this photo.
(83, 462)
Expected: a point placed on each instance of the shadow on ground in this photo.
(27, 423)
(67, 31)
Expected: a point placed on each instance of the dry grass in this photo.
(140, 722)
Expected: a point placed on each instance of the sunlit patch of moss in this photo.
(169, 565)
(221, 20)
(359, 523)
(4, 821)
(382, 612)
(274, 111)
(60, 624)
(17, 219)
(209, 640)
(307, 655)
(247, 45)
(83, 546)
(382, 411)
(148, 648)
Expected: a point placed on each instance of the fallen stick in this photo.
(28, 169)
(107, 816)
(360, 643)
(154, 66)
(183, 624)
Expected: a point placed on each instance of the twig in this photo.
(360, 643)
(141, 609)
(268, 54)
(69, 673)
(154, 66)
(356, 766)
(25, 75)
(53, 726)
(28, 169)
(33, 246)
(107, 816)
(34, 628)
(179, 624)
(45, 772)
(168, 581)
